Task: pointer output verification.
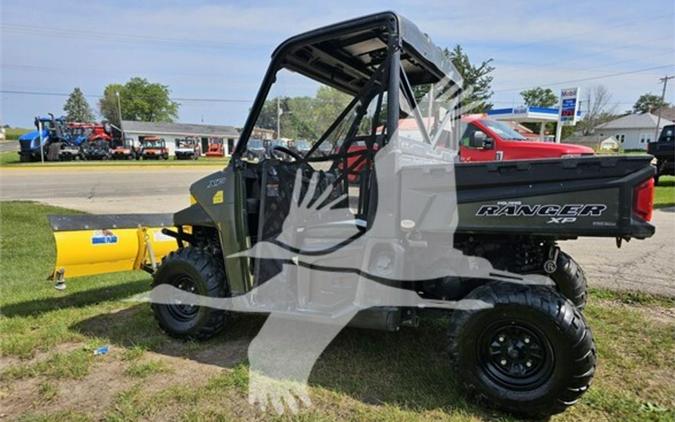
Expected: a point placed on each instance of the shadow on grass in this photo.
(75, 300)
(407, 369)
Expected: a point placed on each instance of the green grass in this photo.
(8, 158)
(11, 159)
(664, 195)
(145, 369)
(47, 338)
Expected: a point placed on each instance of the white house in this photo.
(172, 131)
(633, 131)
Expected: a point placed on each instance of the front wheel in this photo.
(196, 271)
(529, 352)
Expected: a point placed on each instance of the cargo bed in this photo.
(560, 198)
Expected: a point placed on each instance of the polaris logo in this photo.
(558, 214)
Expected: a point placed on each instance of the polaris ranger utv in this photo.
(528, 350)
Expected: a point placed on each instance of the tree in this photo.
(476, 77)
(77, 108)
(139, 100)
(539, 97)
(304, 117)
(649, 102)
(598, 109)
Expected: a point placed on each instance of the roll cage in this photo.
(382, 56)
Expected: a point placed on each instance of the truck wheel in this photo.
(570, 279)
(530, 353)
(194, 270)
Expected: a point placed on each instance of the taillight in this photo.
(643, 195)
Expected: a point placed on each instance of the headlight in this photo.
(570, 156)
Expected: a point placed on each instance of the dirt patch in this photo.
(38, 356)
(94, 395)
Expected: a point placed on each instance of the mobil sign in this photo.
(569, 106)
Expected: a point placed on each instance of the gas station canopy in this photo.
(524, 114)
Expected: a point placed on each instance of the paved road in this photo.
(104, 190)
(9, 146)
(647, 265)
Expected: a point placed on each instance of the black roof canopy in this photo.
(345, 55)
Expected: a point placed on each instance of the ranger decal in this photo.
(566, 213)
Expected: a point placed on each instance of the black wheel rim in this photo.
(515, 355)
(183, 311)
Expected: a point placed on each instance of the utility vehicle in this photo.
(124, 149)
(528, 351)
(216, 148)
(154, 148)
(187, 149)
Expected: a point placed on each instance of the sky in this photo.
(213, 54)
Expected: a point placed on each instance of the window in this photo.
(503, 130)
(467, 133)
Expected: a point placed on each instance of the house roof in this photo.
(635, 121)
(181, 129)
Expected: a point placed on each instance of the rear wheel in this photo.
(196, 271)
(570, 279)
(529, 353)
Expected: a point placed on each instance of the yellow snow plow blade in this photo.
(98, 244)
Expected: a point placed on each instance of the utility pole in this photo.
(119, 114)
(278, 118)
(664, 80)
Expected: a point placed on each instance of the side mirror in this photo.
(480, 140)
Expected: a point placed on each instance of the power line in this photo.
(113, 36)
(610, 75)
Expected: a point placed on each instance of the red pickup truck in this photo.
(484, 139)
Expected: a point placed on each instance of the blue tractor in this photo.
(31, 143)
(57, 142)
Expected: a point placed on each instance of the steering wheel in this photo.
(287, 151)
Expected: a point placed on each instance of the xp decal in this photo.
(558, 214)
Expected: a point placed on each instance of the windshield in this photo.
(153, 144)
(185, 143)
(503, 130)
